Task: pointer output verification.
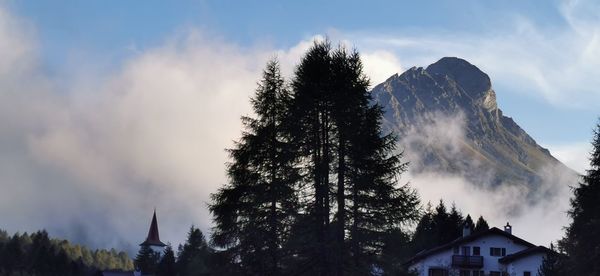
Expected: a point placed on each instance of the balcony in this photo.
(467, 261)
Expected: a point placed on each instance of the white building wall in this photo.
(441, 259)
(490, 263)
(530, 263)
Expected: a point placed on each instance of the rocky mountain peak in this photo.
(447, 115)
(476, 83)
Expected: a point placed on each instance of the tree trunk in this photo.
(341, 204)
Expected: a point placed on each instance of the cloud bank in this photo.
(89, 163)
(473, 190)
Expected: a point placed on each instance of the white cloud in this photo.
(524, 206)
(493, 205)
(574, 155)
(379, 65)
(154, 135)
(91, 162)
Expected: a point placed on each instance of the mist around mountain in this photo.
(448, 122)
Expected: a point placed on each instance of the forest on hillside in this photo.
(38, 254)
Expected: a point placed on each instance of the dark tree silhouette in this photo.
(582, 242)
(469, 222)
(425, 235)
(147, 260)
(553, 264)
(311, 108)
(481, 225)
(254, 212)
(38, 254)
(194, 255)
(166, 265)
(437, 227)
(338, 132)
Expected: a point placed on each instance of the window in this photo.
(476, 251)
(526, 273)
(438, 272)
(497, 251)
(466, 251)
(495, 273)
(465, 273)
(478, 273)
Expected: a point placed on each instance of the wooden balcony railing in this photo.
(467, 261)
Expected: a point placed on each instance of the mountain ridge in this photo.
(423, 106)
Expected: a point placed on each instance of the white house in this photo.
(492, 252)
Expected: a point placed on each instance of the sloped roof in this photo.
(492, 231)
(153, 237)
(117, 273)
(524, 253)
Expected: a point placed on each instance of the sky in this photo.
(111, 108)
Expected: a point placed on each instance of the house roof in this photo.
(153, 237)
(492, 231)
(524, 253)
(117, 273)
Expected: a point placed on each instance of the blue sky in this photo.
(110, 27)
(119, 102)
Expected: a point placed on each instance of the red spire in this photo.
(153, 238)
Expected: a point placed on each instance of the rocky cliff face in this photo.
(448, 120)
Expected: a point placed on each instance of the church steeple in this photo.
(153, 238)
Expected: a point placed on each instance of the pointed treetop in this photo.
(153, 237)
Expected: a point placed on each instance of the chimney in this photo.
(466, 229)
(508, 228)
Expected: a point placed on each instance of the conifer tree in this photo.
(481, 225)
(378, 206)
(194, 255)
(147, 260)
(582, 242)
(350, 164)
(166, 266)
(553, 264)
(254, 212)
(454, 226)
(437, 227)
(313, 126)
(424, 236)
(469, 222)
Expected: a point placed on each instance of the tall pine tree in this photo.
(582, 242)
(166, 265)
(147, 260)
(194, 255)
(311, 108)
(353, 196)
(254, 212)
